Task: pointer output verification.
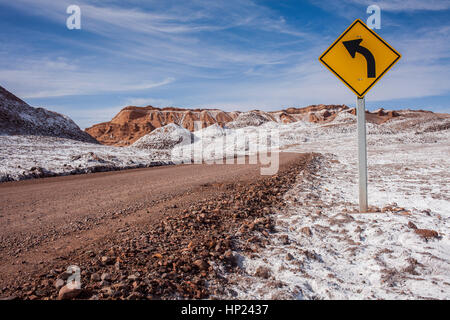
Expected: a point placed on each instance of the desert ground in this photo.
(153, 233)
(162, 230)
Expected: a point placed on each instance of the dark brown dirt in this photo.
(149, 233)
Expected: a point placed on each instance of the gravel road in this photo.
(49, 224)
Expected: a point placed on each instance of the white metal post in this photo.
(362, 153)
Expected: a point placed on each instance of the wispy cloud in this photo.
(148, 101)
(40, 78)
(236, 54)
(410, 5)
(174, 40)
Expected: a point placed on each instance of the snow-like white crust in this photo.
(165, 137)
(347, 256)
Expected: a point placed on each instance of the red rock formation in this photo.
(131, 123)
(379, 116)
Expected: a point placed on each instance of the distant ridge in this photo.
(132, 122)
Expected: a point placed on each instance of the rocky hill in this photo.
(18, 118)
(164, 137)
(132, 123)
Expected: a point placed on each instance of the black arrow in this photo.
(353, 46)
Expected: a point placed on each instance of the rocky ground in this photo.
(217, 232)
(184, 255)
(324, 248)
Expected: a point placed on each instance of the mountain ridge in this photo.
(19, 118)
(132, 122)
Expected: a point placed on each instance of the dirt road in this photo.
(45, 219)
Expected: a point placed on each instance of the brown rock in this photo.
(263, 272)
(105, 277)
(201, 264)
(107, 260)
(426, 233)
(59, 283)
(306, 231)
(67, 293)
(95, 277)
(284, 239)
(412, 225)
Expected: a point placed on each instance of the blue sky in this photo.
(233, 54)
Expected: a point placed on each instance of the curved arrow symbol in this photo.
(353, 46)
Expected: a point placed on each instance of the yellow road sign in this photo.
(359, 57)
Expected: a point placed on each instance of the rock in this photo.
(134, 296)
(9, 298)
(67, 293)
(65, 275)
(105, 277)
(105, 283)
(201, 264)
(133, 277)
(106, 260)
(306, 231)
(59, 283)
(284, 239)
(95, 277)
(426, 233)
(412, 225)
(164, 138)
(263, 272)
(230, 257)
(108, 291)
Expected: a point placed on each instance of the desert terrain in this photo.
(174, 231)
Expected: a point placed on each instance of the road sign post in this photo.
(362, 153)
(359, 58)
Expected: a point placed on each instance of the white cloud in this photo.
(143, 102)
(166, 40)
(169, 43)
(409, 5)
(39, 78)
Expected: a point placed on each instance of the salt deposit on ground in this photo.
(23, 157)
(323, 249)
(164, 138)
